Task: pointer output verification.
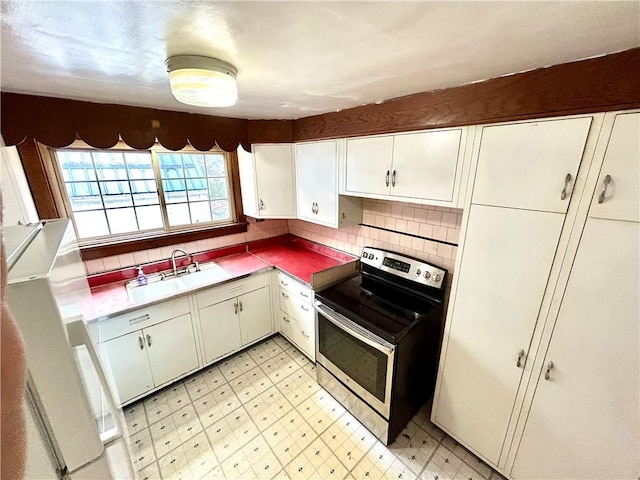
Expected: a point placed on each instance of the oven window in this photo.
(361, 362)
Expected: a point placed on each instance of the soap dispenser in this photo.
(142, 278)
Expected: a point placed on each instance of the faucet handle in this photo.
(197, 264)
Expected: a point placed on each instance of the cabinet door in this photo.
(127, 358)
(275, 179)
(255, 315)
(425, 164)
(368, 166)
(525, 165)
(220, 329)
(503, 274)
(246, 169)
(584, 421)
(621, 199)
(317, 181)
(171, 348)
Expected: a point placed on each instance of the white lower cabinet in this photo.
(220, 329)
(585, 417)
(234, 315)
(150, 357)
(129, 365)
(297, 315)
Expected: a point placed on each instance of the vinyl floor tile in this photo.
(260, 414)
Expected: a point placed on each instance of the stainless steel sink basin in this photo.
(159, 286)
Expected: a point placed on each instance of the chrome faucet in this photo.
(173, 259)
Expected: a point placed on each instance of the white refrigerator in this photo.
(74, 428)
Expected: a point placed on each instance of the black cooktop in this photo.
(381, 307)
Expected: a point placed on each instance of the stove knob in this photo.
(365, 255)
(427, 275)
(418, 272)
(436, 278)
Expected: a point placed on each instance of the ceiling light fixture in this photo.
(202, 81)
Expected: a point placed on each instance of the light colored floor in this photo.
(260, 415)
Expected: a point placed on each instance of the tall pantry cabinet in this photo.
(528, 201)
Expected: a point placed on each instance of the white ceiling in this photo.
(296, 59)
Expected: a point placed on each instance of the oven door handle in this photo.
(354, 329)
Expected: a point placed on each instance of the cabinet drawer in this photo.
(296, 288)
(143, 318)
(288, 326)
(293, 306)
(232, 289)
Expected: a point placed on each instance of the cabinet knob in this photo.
(261, 207)
(547, 373)
(606, 180)
(565, 191)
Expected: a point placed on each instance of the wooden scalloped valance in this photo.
(59, 122)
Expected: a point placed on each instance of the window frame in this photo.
(52, 201)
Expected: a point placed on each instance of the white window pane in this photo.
(122, 220)
(178, 214)
(170, 165)
(146, 198)
(215, 166)
(149, 217)
(116, 194)
(198, 194)
(220, 210)
(91, 224)
(174, 191)
(109, 164)
(200, 212)
(218, 188)
(83, 196)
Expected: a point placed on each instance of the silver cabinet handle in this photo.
(313, 207)
(148, 340)
(304, 308)
(284, 283)
(548, 371)
(240, 305)
(317, 209)
(567, 181)
(304, 334)
(607, 180)
(285, 295)
(141, 343)
(521, 357)
(386, 178)
(235, 307)
(304, 294)
(285, 319)
(393, 179)
(139, 319)
(261, 207)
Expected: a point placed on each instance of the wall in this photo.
(255, 231)
(412, 229)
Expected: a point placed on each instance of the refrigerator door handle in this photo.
(78, 337)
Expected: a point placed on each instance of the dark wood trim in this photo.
(235, 185)
(595, 85)
(269, 131)
(43, 188)
(157, 240)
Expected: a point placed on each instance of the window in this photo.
(125, 192)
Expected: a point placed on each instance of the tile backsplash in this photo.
(422, 231)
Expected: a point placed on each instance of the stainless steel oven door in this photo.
(359, 359)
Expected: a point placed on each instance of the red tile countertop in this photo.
(298, 257)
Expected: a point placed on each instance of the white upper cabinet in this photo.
(424, 167)
(267, 181)
(618, 193)
(317, 187)
(425, 164)
(530, 165)
(368, 166)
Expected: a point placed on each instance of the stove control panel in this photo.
(405, 267)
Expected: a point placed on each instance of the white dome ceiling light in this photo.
(202, 81)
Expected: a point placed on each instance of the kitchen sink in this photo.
(159, 285)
